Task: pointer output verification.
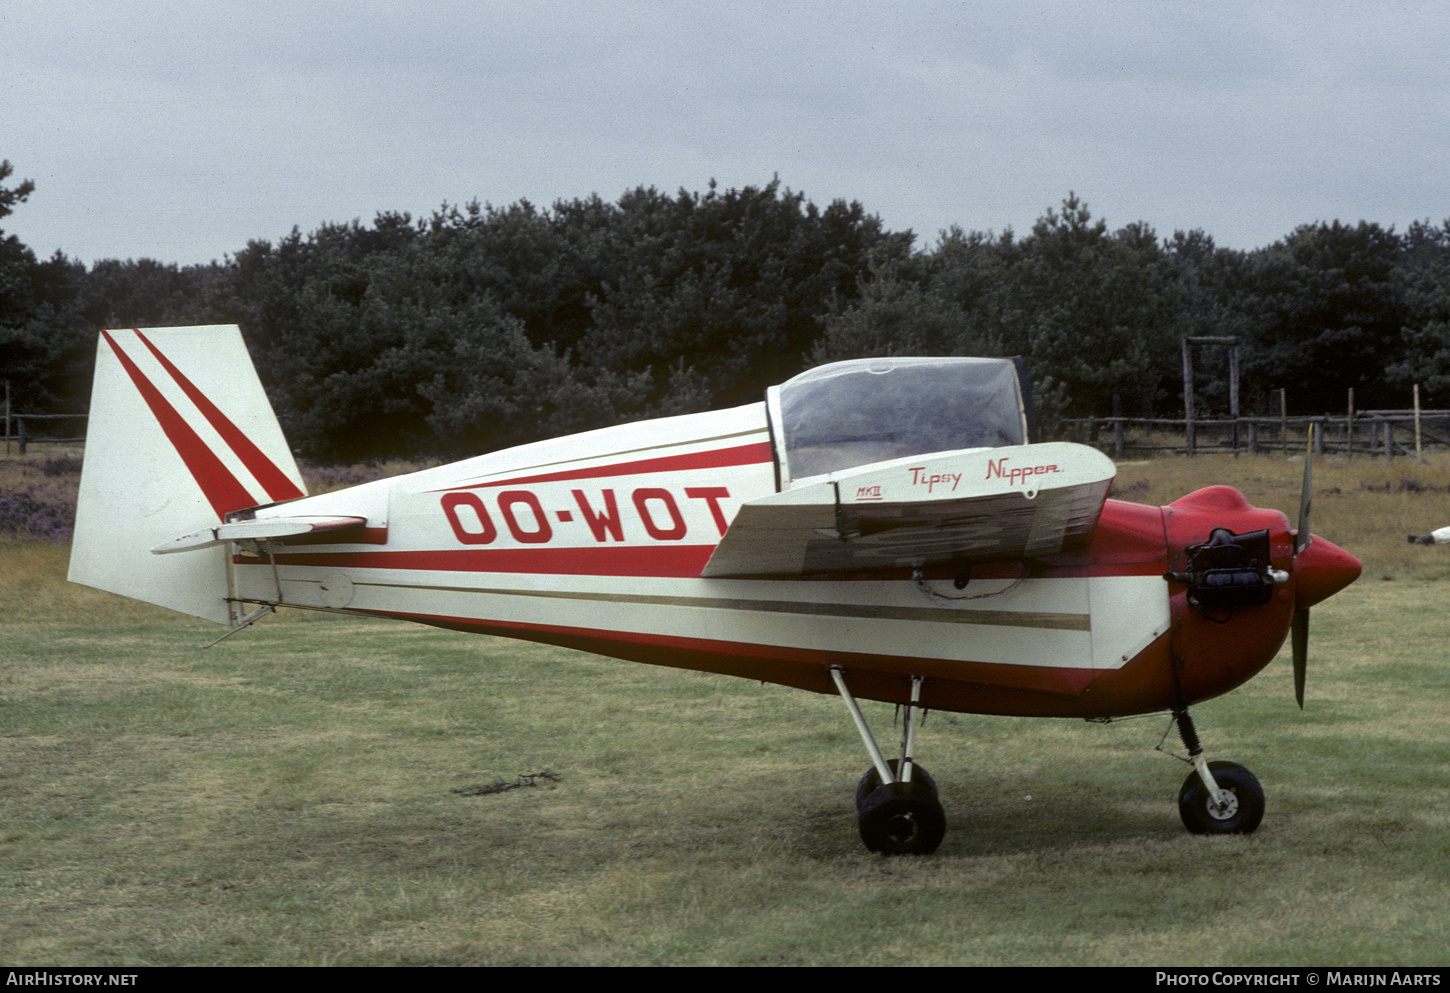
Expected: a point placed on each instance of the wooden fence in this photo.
(23, 434)
(1383, 433)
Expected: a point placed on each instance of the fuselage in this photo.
(598, 542)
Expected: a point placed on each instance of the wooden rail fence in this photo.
(1383, 433)
(23, 435)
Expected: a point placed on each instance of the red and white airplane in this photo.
(880, 529)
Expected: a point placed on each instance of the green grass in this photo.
(292, 796)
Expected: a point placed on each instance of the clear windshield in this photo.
(869, 410)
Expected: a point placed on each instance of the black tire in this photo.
(1245, 807)
(872, 779)
(902, 819)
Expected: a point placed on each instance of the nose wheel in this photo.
(1238, 810)
(897, 810)
(1217, 797)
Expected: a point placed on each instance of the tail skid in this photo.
(181, 434)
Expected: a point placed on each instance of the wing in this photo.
(980, 505)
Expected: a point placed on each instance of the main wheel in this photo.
(872, 779)
(1240, 815)
(902, 819)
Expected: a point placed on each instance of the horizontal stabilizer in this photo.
(270, 527)
(979, 505)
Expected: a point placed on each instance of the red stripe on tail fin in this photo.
(222, 489)
(273, 480)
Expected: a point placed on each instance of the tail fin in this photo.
(180, 435)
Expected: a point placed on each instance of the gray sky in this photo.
(180, 131)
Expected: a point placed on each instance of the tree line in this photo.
(479, 327)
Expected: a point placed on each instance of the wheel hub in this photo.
(1229, 809)
(901, 829)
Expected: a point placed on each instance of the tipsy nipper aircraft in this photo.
(880, 528)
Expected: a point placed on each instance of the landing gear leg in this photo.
(896, 803)
(1217, 797)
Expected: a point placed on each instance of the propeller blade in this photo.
(1299, 626)
(1299, 632)
(1306, 495)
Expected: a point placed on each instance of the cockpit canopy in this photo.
(854, 413)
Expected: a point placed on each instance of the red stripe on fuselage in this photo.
(713, 459)
(273, 479)
(222, 490)
(613, 560)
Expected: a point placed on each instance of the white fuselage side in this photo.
(602, 537)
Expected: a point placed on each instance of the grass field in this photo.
(308, 792)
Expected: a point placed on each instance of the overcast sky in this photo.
(180, 131)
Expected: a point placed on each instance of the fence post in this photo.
(1233, 390)
(1189, 438)
(20, 421)
(1117, 428)
(1349, 427)
(1284, 421)
(1418, 454)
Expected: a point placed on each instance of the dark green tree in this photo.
(1424, 275)
(1091, 312)
(1323, 312)
(16, 194)
(1093, 309)
(45, 353)
(720, 293)
(145, 293)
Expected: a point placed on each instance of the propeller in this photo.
(1299, 626)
